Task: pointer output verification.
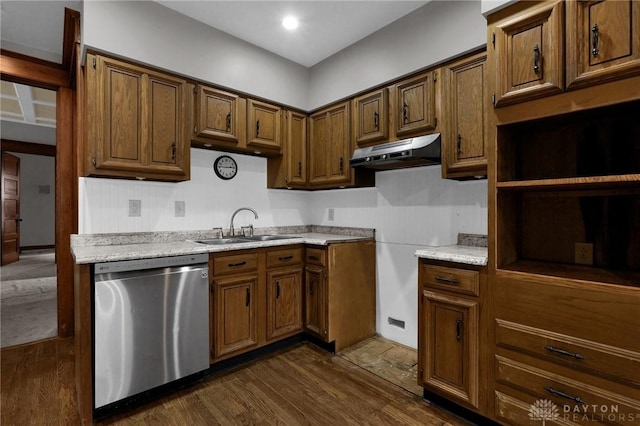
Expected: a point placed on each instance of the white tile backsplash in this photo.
(408, 208)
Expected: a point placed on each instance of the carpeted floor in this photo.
(28, 299)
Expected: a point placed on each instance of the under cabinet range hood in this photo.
(419, 151)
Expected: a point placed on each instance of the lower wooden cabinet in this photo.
(284, 302)
(315, 318)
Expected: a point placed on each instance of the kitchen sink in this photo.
(268, 237)
(223, 241)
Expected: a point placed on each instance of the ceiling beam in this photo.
(28, 148)
(21, 68)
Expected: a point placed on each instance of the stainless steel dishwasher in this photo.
(151, 324)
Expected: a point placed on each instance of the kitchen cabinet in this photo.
(290, 169)
(464, 147)
(370, 117)
(284, 293)
(603, 41)
(563, 203)
(233, 311)
(263, 126)
(414, 113)
(330, 145)
(220, 118)
(340, 283)
(140, 121)
(529, 53)
(450, 329)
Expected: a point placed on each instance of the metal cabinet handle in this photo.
(459, 146)
(536, 59)
(248, 298)
(312, 257)
(257, 127)
(447, 280)
(228, 121)
(341, 165)
(299, 168)
(594, 40)
(231, 265)
(458, 329)
(285, 258)
(277, 289)
(311, 288)
(563, 352)
(173, 151)
(553, 391)
(375, 119)
(405, 112)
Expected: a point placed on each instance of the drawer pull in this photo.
(312, 257)
(285, 258)
(231, 265)
(563, 352)
(447, 280)
(577, 399)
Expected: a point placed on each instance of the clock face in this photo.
(225, 167)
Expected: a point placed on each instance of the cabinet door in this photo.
(330, 145)
(120, 115)
(603, 41)
(370, 117)
(529, 52)
(415, 105)
(166, 122)
(296, 152)
(263, 125)
(315, 320)
(284, 302)
(235, 317)
(464, 151)
(217, 114)
(449, 345)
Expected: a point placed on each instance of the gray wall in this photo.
(23, 132)
(153, 34)
(437, 31)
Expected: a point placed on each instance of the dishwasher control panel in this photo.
(158, 262)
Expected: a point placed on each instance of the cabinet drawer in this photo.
(284, 257)
(451, 279)
(516, 412)
(316, 256)
(584, 354)
(570, 396)
(235, 263)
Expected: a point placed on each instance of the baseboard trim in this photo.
(27, 248)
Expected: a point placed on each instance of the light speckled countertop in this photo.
(114, 247)
(471, 250)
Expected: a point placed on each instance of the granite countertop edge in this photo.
(98, 248)
(470, 250)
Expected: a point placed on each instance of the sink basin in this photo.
(268, 237)
(222, 241)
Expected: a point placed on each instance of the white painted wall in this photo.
(409, 208)
(434, 33)
(488, 7)
(148, 32)
(37, 209)
(209, 201)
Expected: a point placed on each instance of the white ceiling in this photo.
(326, 27)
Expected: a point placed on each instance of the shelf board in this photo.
(576, 272)
(575, 183)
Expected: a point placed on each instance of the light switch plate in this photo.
(584, 254)
(331, 214)
(135, 207)
(179, 208)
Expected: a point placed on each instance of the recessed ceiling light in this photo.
(290, 23)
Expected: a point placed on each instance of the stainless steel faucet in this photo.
(231, 232)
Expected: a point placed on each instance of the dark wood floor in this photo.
(302, 385)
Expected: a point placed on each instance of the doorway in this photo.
(28, 296)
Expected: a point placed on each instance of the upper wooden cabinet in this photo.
(603, 41)
(263, 125)
(330, 145)
(218, 115)
(139, 121)
(370, 117)
(415, 105)
(290, 169)
(529, 53)
(464, 149)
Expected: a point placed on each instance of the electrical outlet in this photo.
(135, 206)
(584, 253)
(179, 208)
(331, 214)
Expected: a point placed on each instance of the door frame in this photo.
(63, 78)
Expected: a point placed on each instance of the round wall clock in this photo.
(225, 167)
